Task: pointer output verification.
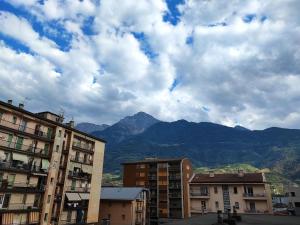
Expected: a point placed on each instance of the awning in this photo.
(87, 169)
(84, 196)
(45, 164)
(20, 157)
(73, 197)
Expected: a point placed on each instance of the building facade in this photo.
(50, 173)
(167, 181)
(246, 192)
(124, 206)
(293, 194)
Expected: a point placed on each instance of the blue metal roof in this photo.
(121, 193)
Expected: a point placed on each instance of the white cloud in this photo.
(241, 73)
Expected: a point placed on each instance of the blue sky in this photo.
(176, 59)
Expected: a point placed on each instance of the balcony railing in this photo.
(72, 221)
(174, 186)
(83, 146)
(25, 129)
(252, 195)
(176, 177)
(22, 168)
(174, 195)
(80, 175)
(81, 160)
(24, 148)
(21, 186)
(19, 206)
(199, 194)
(78, 189)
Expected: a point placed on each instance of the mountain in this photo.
(127, 127)
(90, 127)
(207, 144)
(241, 128)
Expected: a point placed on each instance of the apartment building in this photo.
(124, 206)
(167, 180)
(50, 173)
(293, 195)
(246, 192)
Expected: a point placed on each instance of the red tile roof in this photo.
(228, 178)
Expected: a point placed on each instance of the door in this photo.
(9, 140)
(23, 125)
(252, 206)
(73, 185)
(19, 143)
(49, 132)
(11, 180)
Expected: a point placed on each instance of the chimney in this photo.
(72, 123)
(9, 101)
(21, 105)
(211, 173)
(241, 173)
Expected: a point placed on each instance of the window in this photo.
(36, 201)
(123, 204)
(293, 194)
(14, 120)
(217, 204)
(73, 185)
(46, 217)
(57, 148)
(59, 133)
(51, 181)
(1, 115)
(49, 198)
(123, 217)
(85, 157)
(142, 166)
(140, 174)
(108, 216)
(77, 156)
(140, 183)
(236, 205)
(235, 191)
(216, 190)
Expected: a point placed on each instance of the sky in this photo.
(230, 62)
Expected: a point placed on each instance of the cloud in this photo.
(102, 60)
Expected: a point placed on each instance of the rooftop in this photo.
(38, 116)
(121, 193)
(228, 178)
(154, 160)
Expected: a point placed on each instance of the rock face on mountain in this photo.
(90, 127)
(127, 127)
(205, 144)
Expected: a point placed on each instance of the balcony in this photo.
(20, 187)
(198, 194)
(75, 206)
(174, 195)
(199, 210)
(152, 177)
(22, 168)
(174, 177)
(27, 130)
(83, 147)
(73, 222)
(25, 149)
(81, 160)
(253, 196)
(174, 186)
(78, 189)
(18, 207)
(174, 168)
(79, 175)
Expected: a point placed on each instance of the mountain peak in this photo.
(238, 127)
(139, 119)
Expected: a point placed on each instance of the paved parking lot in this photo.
(246, 220)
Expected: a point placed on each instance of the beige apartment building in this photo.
(293, 195)
(124, 206)
(50, 173)
(246, 192)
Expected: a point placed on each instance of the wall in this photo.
(116, 209)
